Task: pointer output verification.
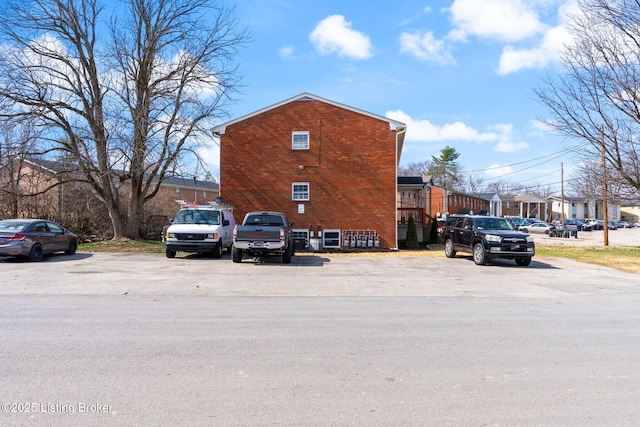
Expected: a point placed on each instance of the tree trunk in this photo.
(116, 221)
(132, 229)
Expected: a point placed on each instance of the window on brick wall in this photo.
(300, 191)
(300, 140)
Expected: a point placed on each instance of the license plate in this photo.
(515, 247)
(257, 244)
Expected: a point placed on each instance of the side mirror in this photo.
(291, 224)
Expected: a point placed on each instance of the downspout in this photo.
(395, 179)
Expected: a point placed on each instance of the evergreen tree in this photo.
(412, 234)
(433, 236)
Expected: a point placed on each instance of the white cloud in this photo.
(513, 59)
(540, 126)
(425, 131)
(508, 20)
(553, 42)
(210, 155)
(425, 47)
(510, 147)
(286, 52)
(496, 170)
(335, 35)
(502, 134)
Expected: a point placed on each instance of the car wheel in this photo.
(217, 251)
(286, 256)
(73, 247)
(524, 230)
(170, 253)
(478, 254)
(523, 262)
(36, 253)
(546, 231)
(448, 249)
(236, 254)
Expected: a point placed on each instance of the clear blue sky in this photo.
(459, 73)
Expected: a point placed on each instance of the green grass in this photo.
(625, 258)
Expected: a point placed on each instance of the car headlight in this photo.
(171, 235)
(493, 238)
(529, 239)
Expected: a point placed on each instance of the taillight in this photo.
(17, 236)
(235, 231)
(281, 233)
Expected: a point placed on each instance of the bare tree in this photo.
(129, 102)
(16, 145)
(586, 181)
(416, 169)
(596, 97)
(504, 187)
(473, 183)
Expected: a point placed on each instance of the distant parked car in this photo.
(624, 224)
(612, 225)
(516, 221)
(583, 225)
(537, 227)
(33, 238)
(577, 224)
(596, 224)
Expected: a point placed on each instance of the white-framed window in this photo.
(300, 140)
(300, 191)
(331, 239)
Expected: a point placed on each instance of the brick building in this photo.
(329, 167)
(36, 188)
(443, 203)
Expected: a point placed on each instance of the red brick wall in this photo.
(350, 167)
(454, 202)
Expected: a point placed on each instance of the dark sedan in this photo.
(33, 238)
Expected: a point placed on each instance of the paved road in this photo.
(120, 339)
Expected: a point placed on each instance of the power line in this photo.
(556, 155)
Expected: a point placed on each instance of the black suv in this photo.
(486, 237)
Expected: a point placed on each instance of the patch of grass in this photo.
(124, 245)
(625, 258)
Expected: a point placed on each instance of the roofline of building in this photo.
(306, 96)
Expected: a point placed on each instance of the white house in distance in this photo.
(495, 203)
(583, 208)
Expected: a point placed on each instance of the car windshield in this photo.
(13, 225)
(197, 216)
(492, 224)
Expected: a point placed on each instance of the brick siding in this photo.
(350, 167)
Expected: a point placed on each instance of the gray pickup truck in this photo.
(261, 234)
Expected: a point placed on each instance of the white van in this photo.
(204, 229)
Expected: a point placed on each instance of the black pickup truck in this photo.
(261, 234)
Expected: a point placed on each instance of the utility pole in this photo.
(605, 214)
(562, 190)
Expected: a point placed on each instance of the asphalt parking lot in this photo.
(370, 339)
(620, 237)
(311, 274)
